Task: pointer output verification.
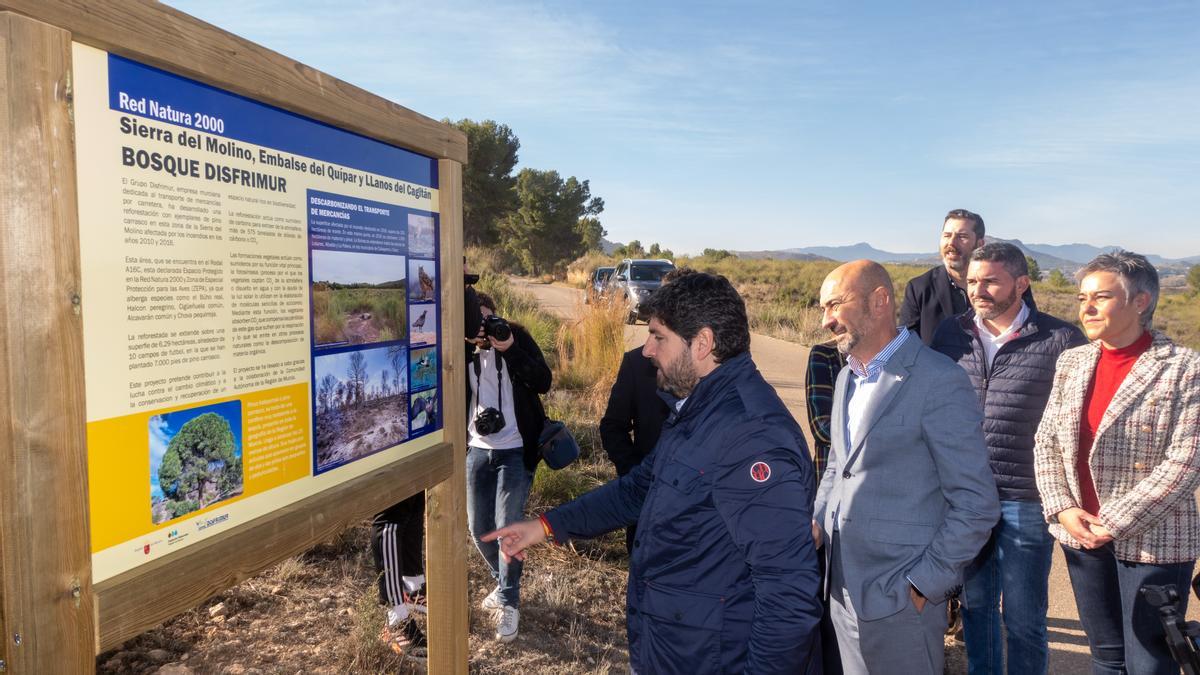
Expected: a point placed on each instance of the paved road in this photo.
(782, 363)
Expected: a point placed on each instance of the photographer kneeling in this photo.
(508, 372)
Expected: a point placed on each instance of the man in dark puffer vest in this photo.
(1009, 350)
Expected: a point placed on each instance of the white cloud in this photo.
(160, 436)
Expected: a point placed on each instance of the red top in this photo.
(1111, 369)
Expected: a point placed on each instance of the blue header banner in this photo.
(142, 90)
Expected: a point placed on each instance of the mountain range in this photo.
(1065, 257)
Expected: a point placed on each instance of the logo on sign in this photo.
(146, 549)
(760, 472)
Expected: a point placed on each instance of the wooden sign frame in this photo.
(52, 618)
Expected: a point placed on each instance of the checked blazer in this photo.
(1145, 460)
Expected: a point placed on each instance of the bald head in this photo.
(865, 277)
(859, 307)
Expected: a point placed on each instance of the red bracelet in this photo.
(546, 528)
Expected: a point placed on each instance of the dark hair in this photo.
(486, 300)
(677, 273)
(697, 300)
(1136, 274)
(1006, 254)
(975, 219)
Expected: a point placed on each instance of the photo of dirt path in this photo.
(357, 298)
(357, 316)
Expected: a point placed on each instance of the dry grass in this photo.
(589, 349)
(579, 272)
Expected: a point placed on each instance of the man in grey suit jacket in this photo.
(908, 498)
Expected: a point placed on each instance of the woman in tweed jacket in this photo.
(1118, 464)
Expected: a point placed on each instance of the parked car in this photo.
(597, 282)
(634, 280)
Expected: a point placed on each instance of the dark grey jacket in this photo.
(1013, 392)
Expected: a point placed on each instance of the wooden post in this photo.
(46, 603)
(446, 504)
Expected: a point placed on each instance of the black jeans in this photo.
(1124, 632)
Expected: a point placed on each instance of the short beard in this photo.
(852, 340)
(678, 377)
(998, 307)
(960, 266)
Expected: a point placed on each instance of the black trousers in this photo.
(398, 546)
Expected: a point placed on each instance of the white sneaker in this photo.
(492, 601)
(507, 618)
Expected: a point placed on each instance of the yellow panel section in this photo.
(276, 441)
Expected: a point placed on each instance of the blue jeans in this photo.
(1124, 633)
(497, 487)
(1014, 563)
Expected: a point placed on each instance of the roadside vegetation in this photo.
(782, 295)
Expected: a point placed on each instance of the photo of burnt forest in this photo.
(361, 404)
(357, 298)
(195, 459)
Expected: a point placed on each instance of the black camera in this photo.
(1181, 634)
(497, 327)
(489, 421)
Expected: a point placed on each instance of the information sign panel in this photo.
(261, 306)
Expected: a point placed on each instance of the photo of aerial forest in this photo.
(361, 403)
(357, 298)
(195, 459)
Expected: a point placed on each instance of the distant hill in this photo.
(1046, 261)
(783, 255)
(844, 254)
(1065, 257)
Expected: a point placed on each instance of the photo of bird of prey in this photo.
(419, 322)
(422, 280)
(426, 282)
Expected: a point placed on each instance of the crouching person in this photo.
(507, 375)
(723, 575)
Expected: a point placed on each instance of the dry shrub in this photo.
(787, 322)
(292, 569)
(579, 272)
(362, 651)
(589, 350)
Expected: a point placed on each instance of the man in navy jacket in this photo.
(723, 576)
(1009, 350)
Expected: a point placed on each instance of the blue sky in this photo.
(377, 360)
(758, 125)
(346, 267)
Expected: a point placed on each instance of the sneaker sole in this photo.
(506, 638)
